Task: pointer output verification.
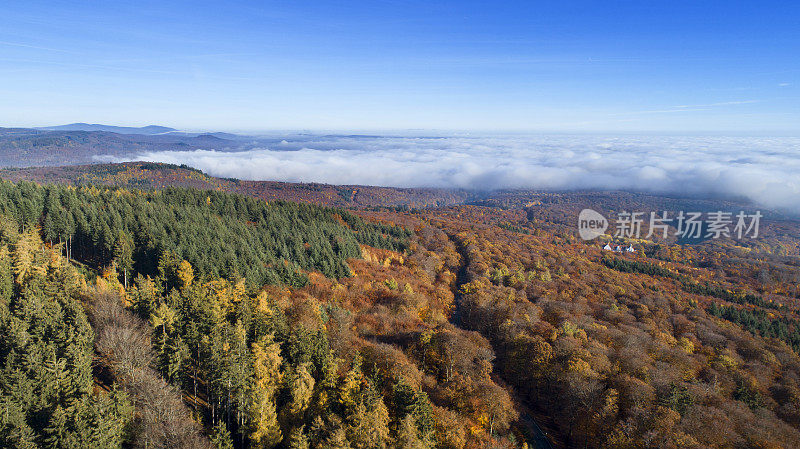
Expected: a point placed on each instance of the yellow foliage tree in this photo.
(24, 254)
(265, 432)
(185, 273)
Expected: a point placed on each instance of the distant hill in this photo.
(220, 135)
(21, 147)
(147, 130)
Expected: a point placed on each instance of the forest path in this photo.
(536, 437)
(461, 279)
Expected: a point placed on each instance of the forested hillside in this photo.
(631, 351)
(329, 364)
(195, 318)
(149, 175)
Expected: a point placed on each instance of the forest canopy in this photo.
(219, 234)
(129, 312)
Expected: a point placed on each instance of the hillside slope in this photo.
(452, 327)
(150, 175)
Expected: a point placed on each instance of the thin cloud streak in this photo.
(35, 47)
(691, 107)
(724, 103)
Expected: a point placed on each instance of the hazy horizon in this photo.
(414, 132)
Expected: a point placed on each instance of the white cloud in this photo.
(764, 170)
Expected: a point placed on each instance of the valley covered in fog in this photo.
(763, 170)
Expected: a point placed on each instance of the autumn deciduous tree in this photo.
(265, 431)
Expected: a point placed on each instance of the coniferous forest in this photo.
(219, 234)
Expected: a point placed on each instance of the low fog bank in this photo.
(764, 170)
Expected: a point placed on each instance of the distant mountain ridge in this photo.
(29, 147)
(146, 130)
(85, 143)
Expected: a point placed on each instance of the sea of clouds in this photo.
(764, 170)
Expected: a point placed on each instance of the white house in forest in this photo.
(619, 249)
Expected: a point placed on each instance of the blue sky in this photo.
(591, 66)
